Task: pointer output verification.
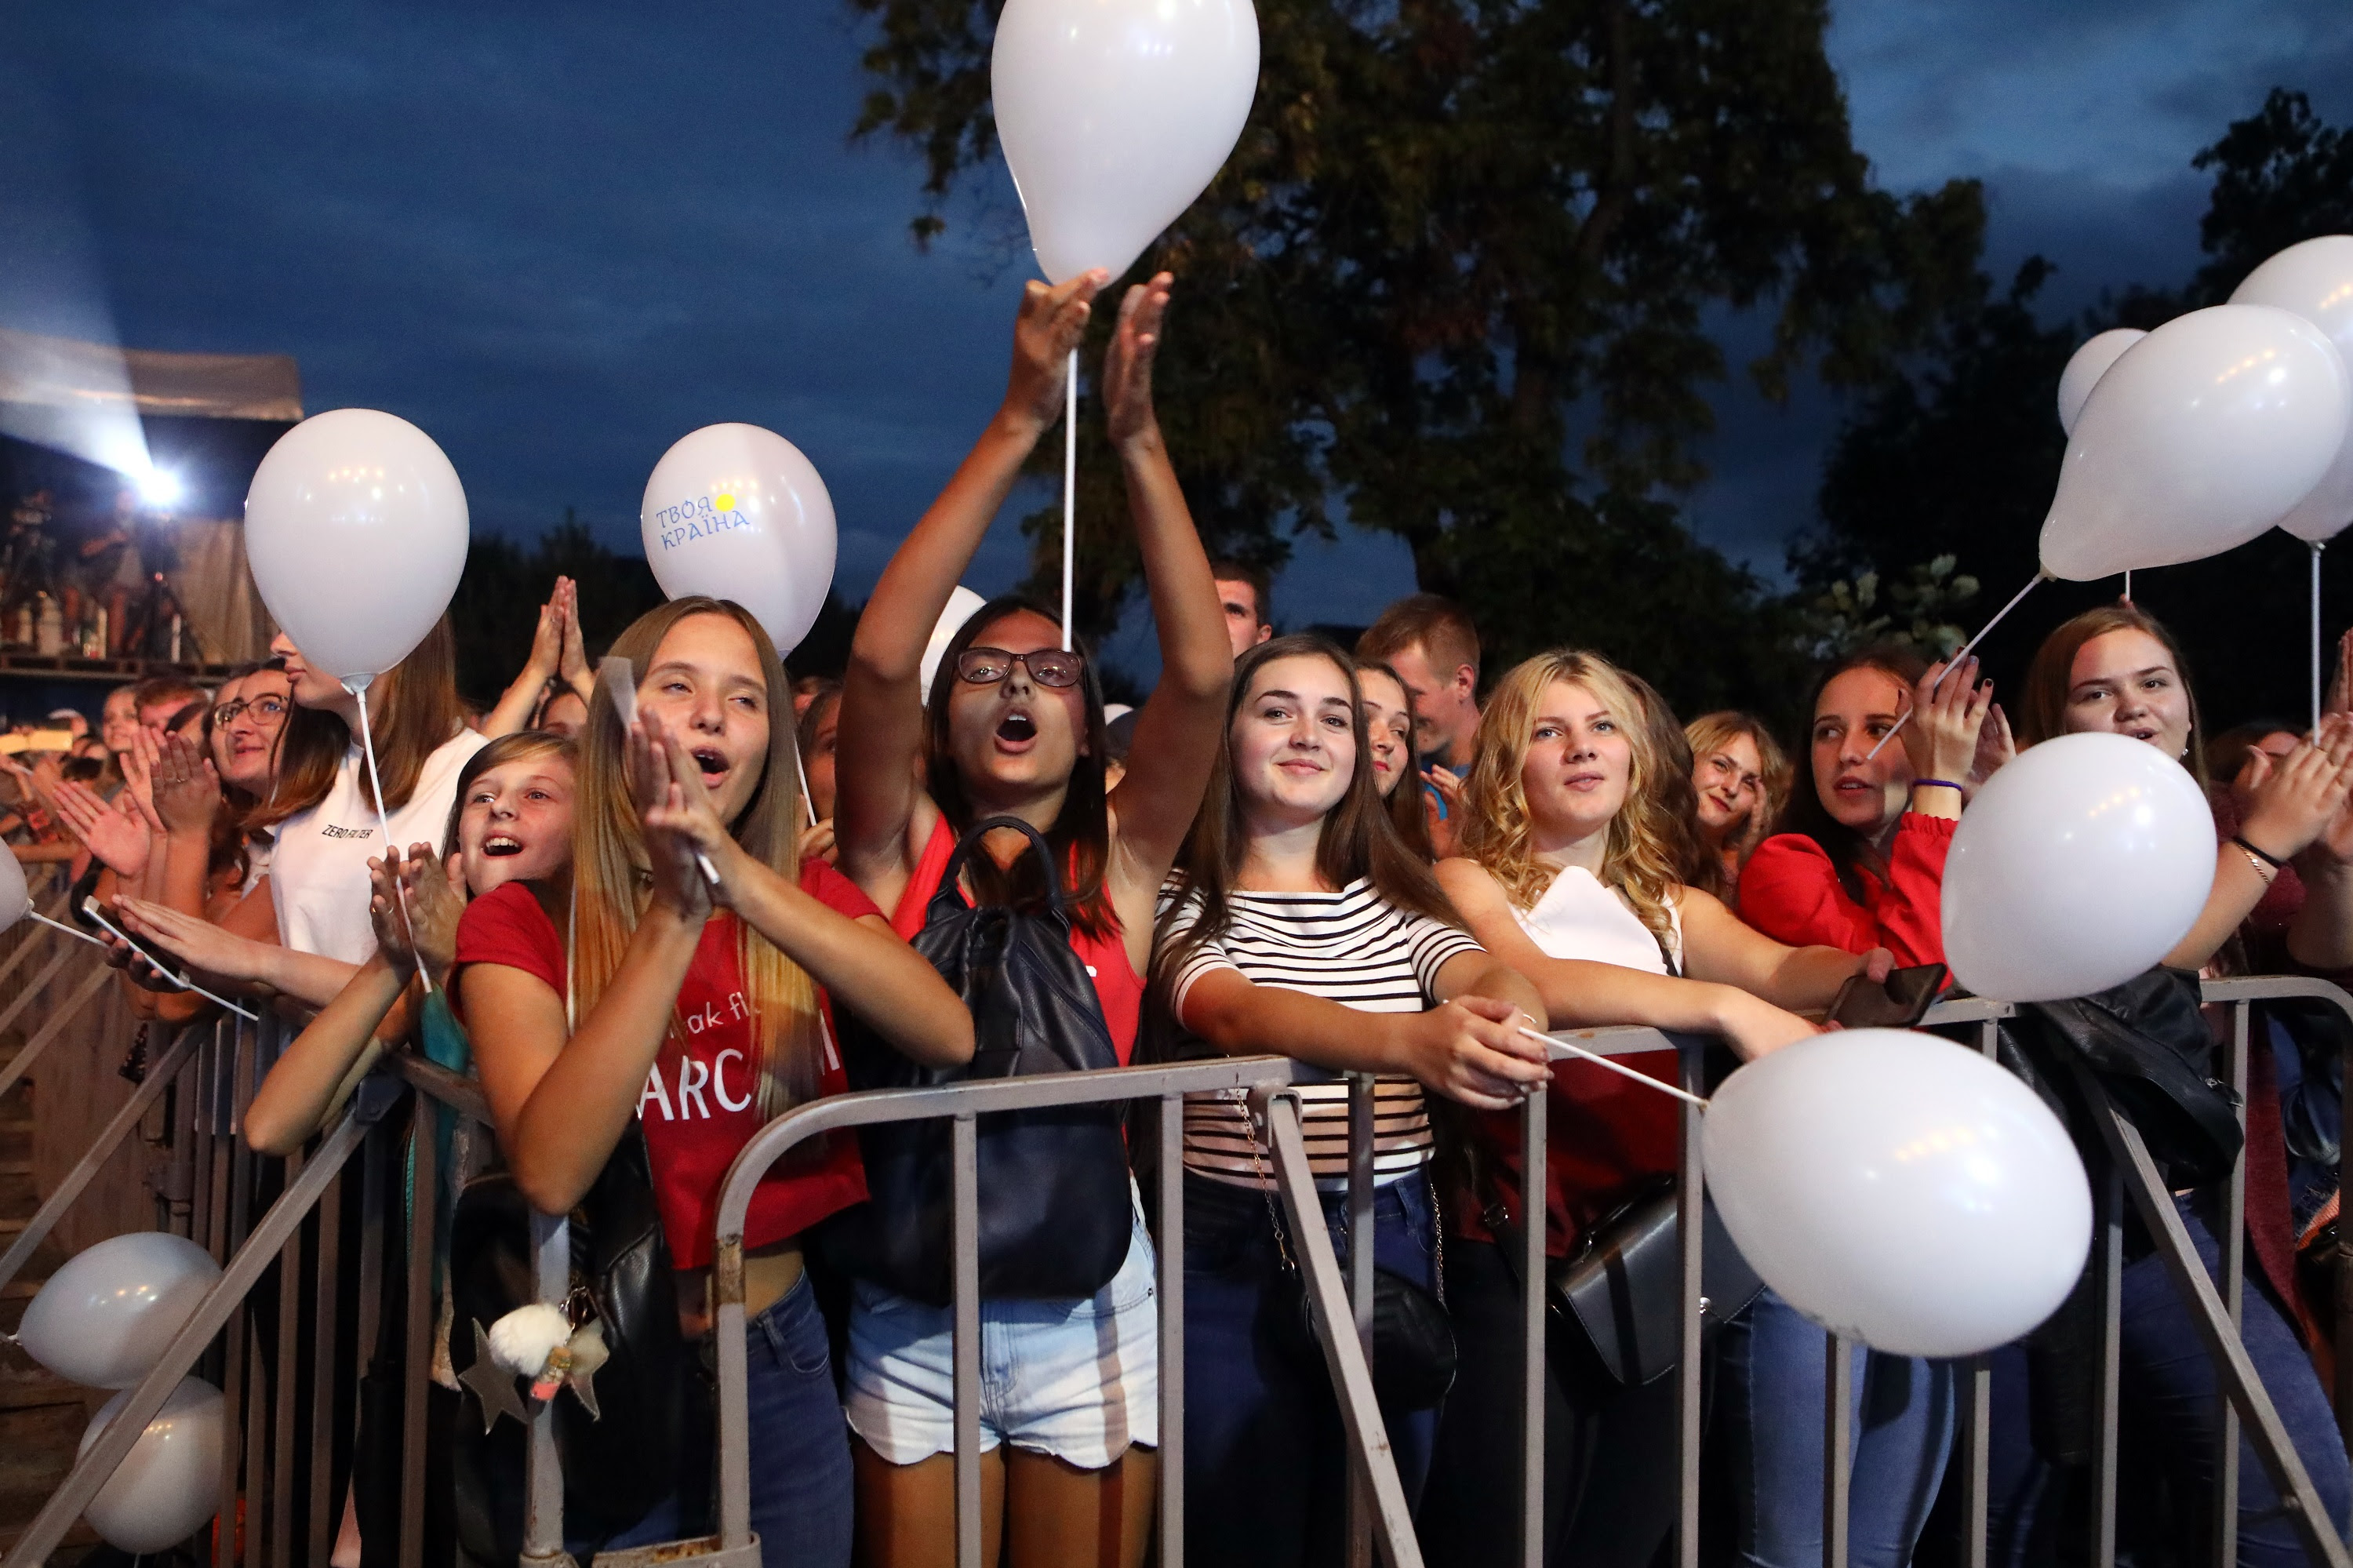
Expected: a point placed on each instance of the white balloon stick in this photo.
(1954, 663)
(620, 678)
(168, 978)
(1070, 486)
(2316, 548)
(1597, 1059)
(61, 926)
(400, 893)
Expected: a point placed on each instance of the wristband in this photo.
(2270, 860)
(1935, 784)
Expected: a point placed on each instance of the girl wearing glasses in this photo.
(1013, 726)
(1741, 776)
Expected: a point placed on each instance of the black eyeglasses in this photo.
(265, 711)
(1047, 666)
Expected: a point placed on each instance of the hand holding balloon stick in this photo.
(621, 683)
(1956, 661)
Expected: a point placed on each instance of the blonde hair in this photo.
(1497, 830)
(1711, 733)
(612, 874)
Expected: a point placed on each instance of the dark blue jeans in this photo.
(1265, 1455)
(1775, 1370)
(2170, 1416)
(802, 1493)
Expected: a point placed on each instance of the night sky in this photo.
(558, 238)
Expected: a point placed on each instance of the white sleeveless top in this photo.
(1579, 919)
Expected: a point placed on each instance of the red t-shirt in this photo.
(1118, 988)
(699, 1107)
(1791, 892)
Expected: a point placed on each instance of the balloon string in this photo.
(391, 850)
(2127, 585)
(1070, 487)
(1598, 1060)
(1954, 663)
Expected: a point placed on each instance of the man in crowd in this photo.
(1432, 645)
(1245, 594)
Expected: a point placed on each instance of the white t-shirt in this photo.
(1579, 919)
(318, 868)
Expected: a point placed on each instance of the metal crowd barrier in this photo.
(206, 1077)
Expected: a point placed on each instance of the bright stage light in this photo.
(159, 487)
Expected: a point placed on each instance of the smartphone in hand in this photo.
(1898, 1002)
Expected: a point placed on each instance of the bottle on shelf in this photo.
(48, 627)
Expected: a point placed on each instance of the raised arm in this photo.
(515, 707)
(1178, 732)
(875, 823)
(862, 963)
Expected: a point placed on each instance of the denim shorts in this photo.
(1078, 1380)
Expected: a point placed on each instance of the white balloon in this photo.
(1900, 1189)
(2314, 279)
(2201, 437)
(355, 529)
(2078, 867)
(735, 512)
(15, 899)
(961, 604)
(2088, 365)
(1115, 114)
(168, 1486)
(105, 1318)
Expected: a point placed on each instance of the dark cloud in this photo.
(560, 237)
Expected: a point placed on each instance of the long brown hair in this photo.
(1081, 833)
(1642, 858)
(612, 877)
(416, 712)
(1358, 842)
(1851, 855)
(2043, 705)
(1407, 809)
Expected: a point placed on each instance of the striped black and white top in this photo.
(1351, 948)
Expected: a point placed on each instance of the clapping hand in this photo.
(1127, 369)
(677, 816)
(185, 790)
(416, 903)
(114, 834)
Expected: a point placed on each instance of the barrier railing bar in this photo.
(1276, 1110)
(31, 1051)
(416, 1358)
(322, 1372)
(282, 1447)
(96, 1466)
(2234, 1278)
(543, 1535)
(2139, 1170)
(457, 1092)
(964, 1235)
(1977, 1430)
(1360, 1291)
(1838, 1445)
(237, 1354)
(2110, 1239)
(44, 1219)
(1691, 1213)
(1172, 1331)
(1535, 1326)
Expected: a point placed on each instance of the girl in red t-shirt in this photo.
(701, 1022)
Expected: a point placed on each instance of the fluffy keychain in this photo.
(538, 1342)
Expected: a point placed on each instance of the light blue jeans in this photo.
(1774, 1372)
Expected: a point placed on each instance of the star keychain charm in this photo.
(492, 1383)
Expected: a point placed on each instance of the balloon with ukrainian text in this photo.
(2207, 433)
(168, 1486)
(2314, 279)
(1115, 114)
(2080, 864)
(1899, 1188)
(104, 1318)
(737, 513)
(2085, 368)
(356, 528)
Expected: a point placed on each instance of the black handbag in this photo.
(1055, 1214)
(1622, 1287)
(2148, 1045)
(619, 1464)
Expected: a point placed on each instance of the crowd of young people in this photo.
(645, 937)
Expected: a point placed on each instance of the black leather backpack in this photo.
(1054, 1207)
(617, 1466)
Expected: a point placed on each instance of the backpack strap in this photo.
(945, 899)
